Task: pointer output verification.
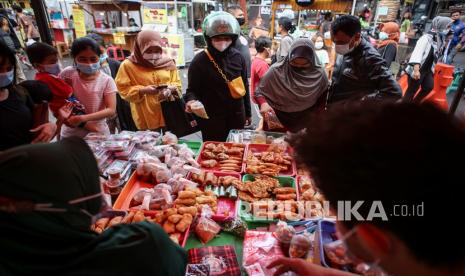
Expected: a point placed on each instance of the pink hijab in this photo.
(145, 40)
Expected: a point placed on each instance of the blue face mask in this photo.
(53, 69)
(103, 58)
(383, 36)
(6, 78)
(88, 69)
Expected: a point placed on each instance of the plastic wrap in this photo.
(301, 245)
(272, 121)
(169, 138)
(259, 250)
(206, 228)
(162, 176)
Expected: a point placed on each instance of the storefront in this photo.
(61, 24)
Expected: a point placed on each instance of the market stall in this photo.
(62, 26)
(111, 20)
(235, 206)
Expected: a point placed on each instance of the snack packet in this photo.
(206, 228)
(199, 109)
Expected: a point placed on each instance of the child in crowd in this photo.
(321, 52)
(95, 90)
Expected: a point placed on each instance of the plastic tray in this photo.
(325, 230)
(225, 204)
(123, 201)
(247, 135)
(193, 145)
(284, 181)
(216, 168)
(263, 147)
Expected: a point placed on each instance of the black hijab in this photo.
(61, 243)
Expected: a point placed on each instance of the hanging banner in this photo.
(155, 16)
(119, 39)
(79, 21)
(173, 46)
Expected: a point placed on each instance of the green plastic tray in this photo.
(193, 145)
(284, 181)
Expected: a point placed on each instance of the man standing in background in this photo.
(458, 29)
(241, 43)
(28, 24)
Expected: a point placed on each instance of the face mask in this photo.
(221, 45)
(383, 36)
(53, 69)
(152, 58)
(88, 69)
(240, 20)
(319, 45)
(6, 78)
(343, 49)
(103, 58)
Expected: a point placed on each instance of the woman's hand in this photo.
(188, 106)
(265, 108)
(75, 121)
(302, 267)
(416, 74)
(45, 133)
(64, 112)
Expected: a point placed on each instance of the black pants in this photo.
(218, 126)
(426, 82)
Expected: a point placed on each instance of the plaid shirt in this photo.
(221, 259)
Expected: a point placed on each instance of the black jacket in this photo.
(206, 84)
(362, 73)
(388, 53)
(245, 52)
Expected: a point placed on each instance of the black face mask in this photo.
(240, 20)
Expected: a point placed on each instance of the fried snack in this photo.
(246, 196)
(220, 148)
(159, 218)
(138, 217)
(128, 218)
(210, 179)
(115, 221)
(210, 146)
(186, 194)
(174, 218)
(169, 227)
(101, 223)
(205, 199)
(285, 196)
(170, 212)
(235, 151)
(208, 155)
(231, 161)
(208, 163)
(284, 190)
(176, 237)
(228, 180)
(222, 156)
(184, 223)
(308, 194)
(188, 210)
(186, 201)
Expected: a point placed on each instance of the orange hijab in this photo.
(393, 30)
(145, 40)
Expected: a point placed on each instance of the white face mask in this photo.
(319, 45)
(152, 58)
(221, 45)
(344, 49)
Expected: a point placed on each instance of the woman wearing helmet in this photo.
(208, 82)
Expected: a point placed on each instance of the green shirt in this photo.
(405, 26)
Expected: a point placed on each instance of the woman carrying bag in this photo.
(218, 79)
(145, 78)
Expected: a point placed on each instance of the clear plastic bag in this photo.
(284, 232)
(162, 176)
(206, 228)
(272, 121)
(169, 138)
(301, 245)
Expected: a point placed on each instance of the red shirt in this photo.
(258, 70)
(60, 90)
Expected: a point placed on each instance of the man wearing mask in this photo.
(241, 43)
(458, 41)
(360, 72)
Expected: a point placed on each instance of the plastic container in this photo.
(245, 136)
(284, 181)
(326, 230)
(256, 148)
(217, 168)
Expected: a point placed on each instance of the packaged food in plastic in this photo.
(272, 121)
(115, 145)
(146, 169)
(175, 161)
(191, 169)
(259, 250)
(236, 227)
(199, 109)
(206, 228)
(198, 270)
(187, 184)
(301, 245)
(278, 145)
(169, 138)
(144, 197)
(284, 234)
(162, 176)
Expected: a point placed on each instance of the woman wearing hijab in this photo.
(143, 77)
(388, 41)
(46, 217)
(209, 72)
(428, 50)
(292, 87)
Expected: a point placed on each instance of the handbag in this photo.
(176, 119)
(236, 86)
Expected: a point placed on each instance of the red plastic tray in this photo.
(263, 147)
(123, 201)
(216, 168)
(225, 204)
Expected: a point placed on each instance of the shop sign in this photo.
(79, 21)
(155, 16)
